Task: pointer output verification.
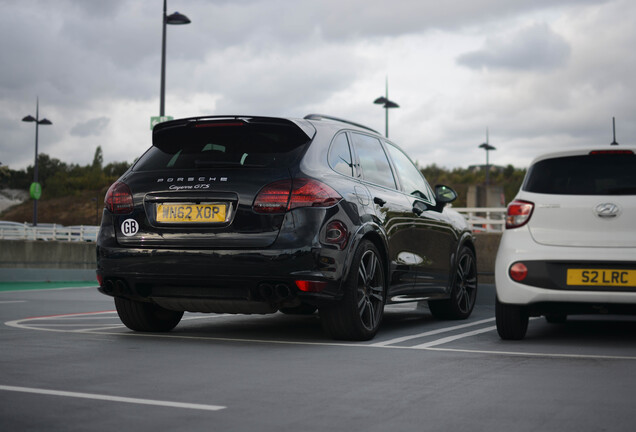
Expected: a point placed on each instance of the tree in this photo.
(98, 159)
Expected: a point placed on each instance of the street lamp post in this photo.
(486, 146)
(386, 104)
(35, 187)
(174, 19)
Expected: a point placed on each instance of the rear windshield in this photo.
(599, 174)
(224, 145)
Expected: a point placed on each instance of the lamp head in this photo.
(177, 19)
(487, 146)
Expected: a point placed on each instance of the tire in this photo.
(146, 317)
(512, 320)
(301, 309)
(463, 293)
(359, 314)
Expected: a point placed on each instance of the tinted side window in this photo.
(340, 155)
(600, 174)
(373, 161)
(411, 179)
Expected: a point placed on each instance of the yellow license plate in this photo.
(602, 277)
(191, 213)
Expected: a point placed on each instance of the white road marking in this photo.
(430, 333)
(12, 301)
(455, 337)
(534, 354)
(430, 346)
(112, 398)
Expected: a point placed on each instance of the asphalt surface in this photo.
(68, 364)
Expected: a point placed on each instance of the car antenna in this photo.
(614, 130)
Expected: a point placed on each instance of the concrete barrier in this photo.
(28, 260)
(486, 245)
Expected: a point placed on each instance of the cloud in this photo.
(93, 127)
(536, 47)
(455, 68)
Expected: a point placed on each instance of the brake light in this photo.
(518, 213)
(518, 271)
(119, 199)
(284, 195)
(218, 124)
(613, 152)
(310, 286)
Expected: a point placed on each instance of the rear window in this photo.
(594, 174)
(224, 145)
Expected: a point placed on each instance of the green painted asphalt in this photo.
(23, 286)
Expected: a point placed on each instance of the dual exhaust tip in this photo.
(274, 293)
(115, 286)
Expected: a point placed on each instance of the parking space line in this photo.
(531, 354)
(455, 337)
(389, 344)
(430, 333)
(112, 398)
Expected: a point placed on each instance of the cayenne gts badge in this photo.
(129, 227)
(607, 210)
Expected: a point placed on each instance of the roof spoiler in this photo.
(191, 122)
(325, 117)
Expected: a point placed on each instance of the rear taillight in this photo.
(518, 213)
(518, 271)
(119, 199)
(283, 195)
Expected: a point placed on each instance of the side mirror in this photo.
(444, 195)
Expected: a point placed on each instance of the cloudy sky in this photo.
(538, 74)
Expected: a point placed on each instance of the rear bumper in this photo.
(228, 281)
(547, 265)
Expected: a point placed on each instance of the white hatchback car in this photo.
(570, 241)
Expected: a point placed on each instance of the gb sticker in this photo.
(129, 227)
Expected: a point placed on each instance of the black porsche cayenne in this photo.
(254, 215)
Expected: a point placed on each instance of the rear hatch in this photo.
(583, 200)
(195, 187)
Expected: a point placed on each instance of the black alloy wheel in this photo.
(464, 292)
(359, 314)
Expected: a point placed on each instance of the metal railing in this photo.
(484, 219)
(48, 232)
(480, 219)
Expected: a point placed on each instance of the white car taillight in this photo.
(518, 213)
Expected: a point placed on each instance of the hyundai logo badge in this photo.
(607, 210)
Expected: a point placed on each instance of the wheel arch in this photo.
(375, 235)
(467, 239)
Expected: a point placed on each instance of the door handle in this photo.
(379, 201)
